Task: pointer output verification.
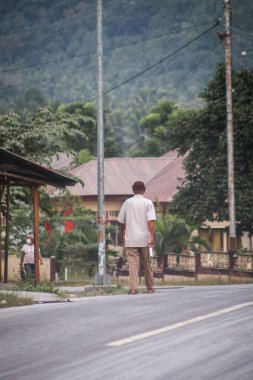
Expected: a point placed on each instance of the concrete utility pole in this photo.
(230, 140)
(35, 194)
(100, 148)
(7, 232)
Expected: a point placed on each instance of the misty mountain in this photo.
(163, 48)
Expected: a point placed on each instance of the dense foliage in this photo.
(40, 135)
(174, 235)
(48, 56)
(157, 124)
(77, 249)
(48, 76)
(203, 135)
(52, 45)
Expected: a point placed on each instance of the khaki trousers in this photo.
(134, 255)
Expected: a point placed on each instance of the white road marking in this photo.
(178, 325)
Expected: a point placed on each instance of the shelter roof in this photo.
(119, 174)
(21, 171)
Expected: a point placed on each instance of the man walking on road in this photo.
(137, 216)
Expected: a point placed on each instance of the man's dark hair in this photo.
(139, 186)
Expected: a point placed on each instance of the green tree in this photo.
(173, 234)
(157, 124)
(116, 121)
(37, 136)
(60, 57)
(77, 249)
(204, 193)
(83, 156)
(86, 115)
(40, 135)
(29, 102)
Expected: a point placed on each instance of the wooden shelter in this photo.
(18, 171)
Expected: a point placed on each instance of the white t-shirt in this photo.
(135, 213)
(29, 253)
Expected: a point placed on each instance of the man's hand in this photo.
(152, 232)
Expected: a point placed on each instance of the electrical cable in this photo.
(196, 66)
(56, 24)
(41, 80)
(159, 62)
(39, 26)
(42, 26)
(241, 31)
(239, 19)
(60, 59)
(140, 73)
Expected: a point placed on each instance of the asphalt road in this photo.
(191, 333)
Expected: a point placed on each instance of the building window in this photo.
(113, 213)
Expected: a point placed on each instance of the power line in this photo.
(138, 74)
(239, 19)
(60, 59)
(87, 67)
(55, 24)
(43, 63)
(196, 66)
(42, 26)
(241, 31)
(56, 76)
(160, 61)
(38, 27)
(41, 80)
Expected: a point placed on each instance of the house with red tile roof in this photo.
(164, 185)
(120, 174)
(162, 176)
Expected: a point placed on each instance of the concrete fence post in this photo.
(232, 257)
(197, 264)
(165, 261)
(53, 264)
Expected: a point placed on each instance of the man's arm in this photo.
(22, 257)
(151, 227)
(123, 229)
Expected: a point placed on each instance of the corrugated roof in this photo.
(164, 185)
(120, 174)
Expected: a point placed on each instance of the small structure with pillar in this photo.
(18, 171)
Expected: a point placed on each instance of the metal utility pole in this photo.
(100, 147)
(230, 140)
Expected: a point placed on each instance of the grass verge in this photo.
(11, 300)
(41, 288)
(97, 290)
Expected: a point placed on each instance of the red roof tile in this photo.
(120, 174)
(164, 185)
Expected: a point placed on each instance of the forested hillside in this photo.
(51, 46)
(164, 83)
